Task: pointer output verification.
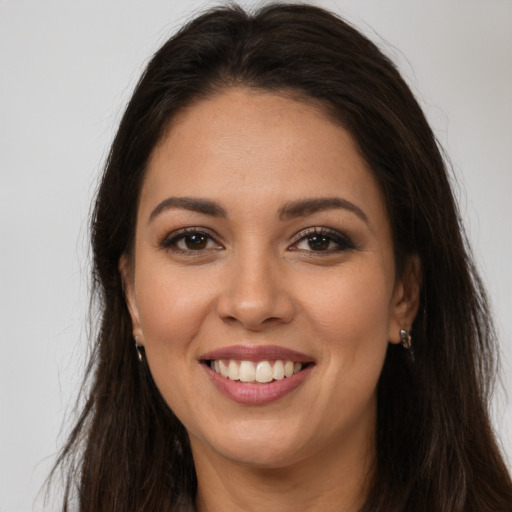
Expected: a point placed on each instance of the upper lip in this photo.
(256, 353)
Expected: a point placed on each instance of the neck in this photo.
(335, 480)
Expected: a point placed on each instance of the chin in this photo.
(255, 445)
(260, 455)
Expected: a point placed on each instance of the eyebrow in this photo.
(194, 204)
(306, 207)
(300, 208)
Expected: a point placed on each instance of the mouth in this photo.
(251, 372)
(256, 374)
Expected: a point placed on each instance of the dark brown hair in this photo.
(435, 445)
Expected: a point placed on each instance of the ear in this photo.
(128, 279)
(406, 299)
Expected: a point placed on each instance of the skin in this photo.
(259, 280)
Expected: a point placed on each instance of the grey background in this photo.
(66, 70)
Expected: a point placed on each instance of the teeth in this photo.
(223, 369)
(264, 372)
(278, 370)
(247, 371)
(233, 370)
(261, 372)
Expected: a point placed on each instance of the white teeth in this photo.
(264, 372)
(234, 370)
(247, 371)
(261, 372)
(278, 370)
(223, 369)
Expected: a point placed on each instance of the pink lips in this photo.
(256, 353)
(255, 393)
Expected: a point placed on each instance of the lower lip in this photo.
(257, 394)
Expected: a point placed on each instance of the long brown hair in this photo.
(435, 445)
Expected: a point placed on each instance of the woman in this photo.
(290, 316)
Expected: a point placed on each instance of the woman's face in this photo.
(263, 281)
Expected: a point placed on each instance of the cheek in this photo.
(354, 300)
(351, 315)
(172, 305)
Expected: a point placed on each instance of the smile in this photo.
(262, 372)
(256, 375)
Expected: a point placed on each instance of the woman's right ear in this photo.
(128, 281)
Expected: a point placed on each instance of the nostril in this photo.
(255, 303)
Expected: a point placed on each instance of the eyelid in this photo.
(169, 241)
(343, 240)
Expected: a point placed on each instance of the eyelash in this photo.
(343, 242)
(170, 242)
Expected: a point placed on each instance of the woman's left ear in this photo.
(406, 299)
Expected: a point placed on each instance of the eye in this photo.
(320, 239)
(190, 240)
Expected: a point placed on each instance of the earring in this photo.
(139, 348)
(405, 335)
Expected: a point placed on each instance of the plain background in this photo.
(67, 69)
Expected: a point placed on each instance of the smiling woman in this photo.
(250, 279)
(290, 317)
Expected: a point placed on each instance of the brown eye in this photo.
(190, 241)
(195, 242)
(322, 240)
(319, 242)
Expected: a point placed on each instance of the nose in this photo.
(255, 294)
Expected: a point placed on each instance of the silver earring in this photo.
(405, 335)
(139, 348)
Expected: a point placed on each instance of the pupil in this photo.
(318, 242)
(195, 242)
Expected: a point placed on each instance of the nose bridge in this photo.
(255, 292)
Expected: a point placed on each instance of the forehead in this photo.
(249, 145)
